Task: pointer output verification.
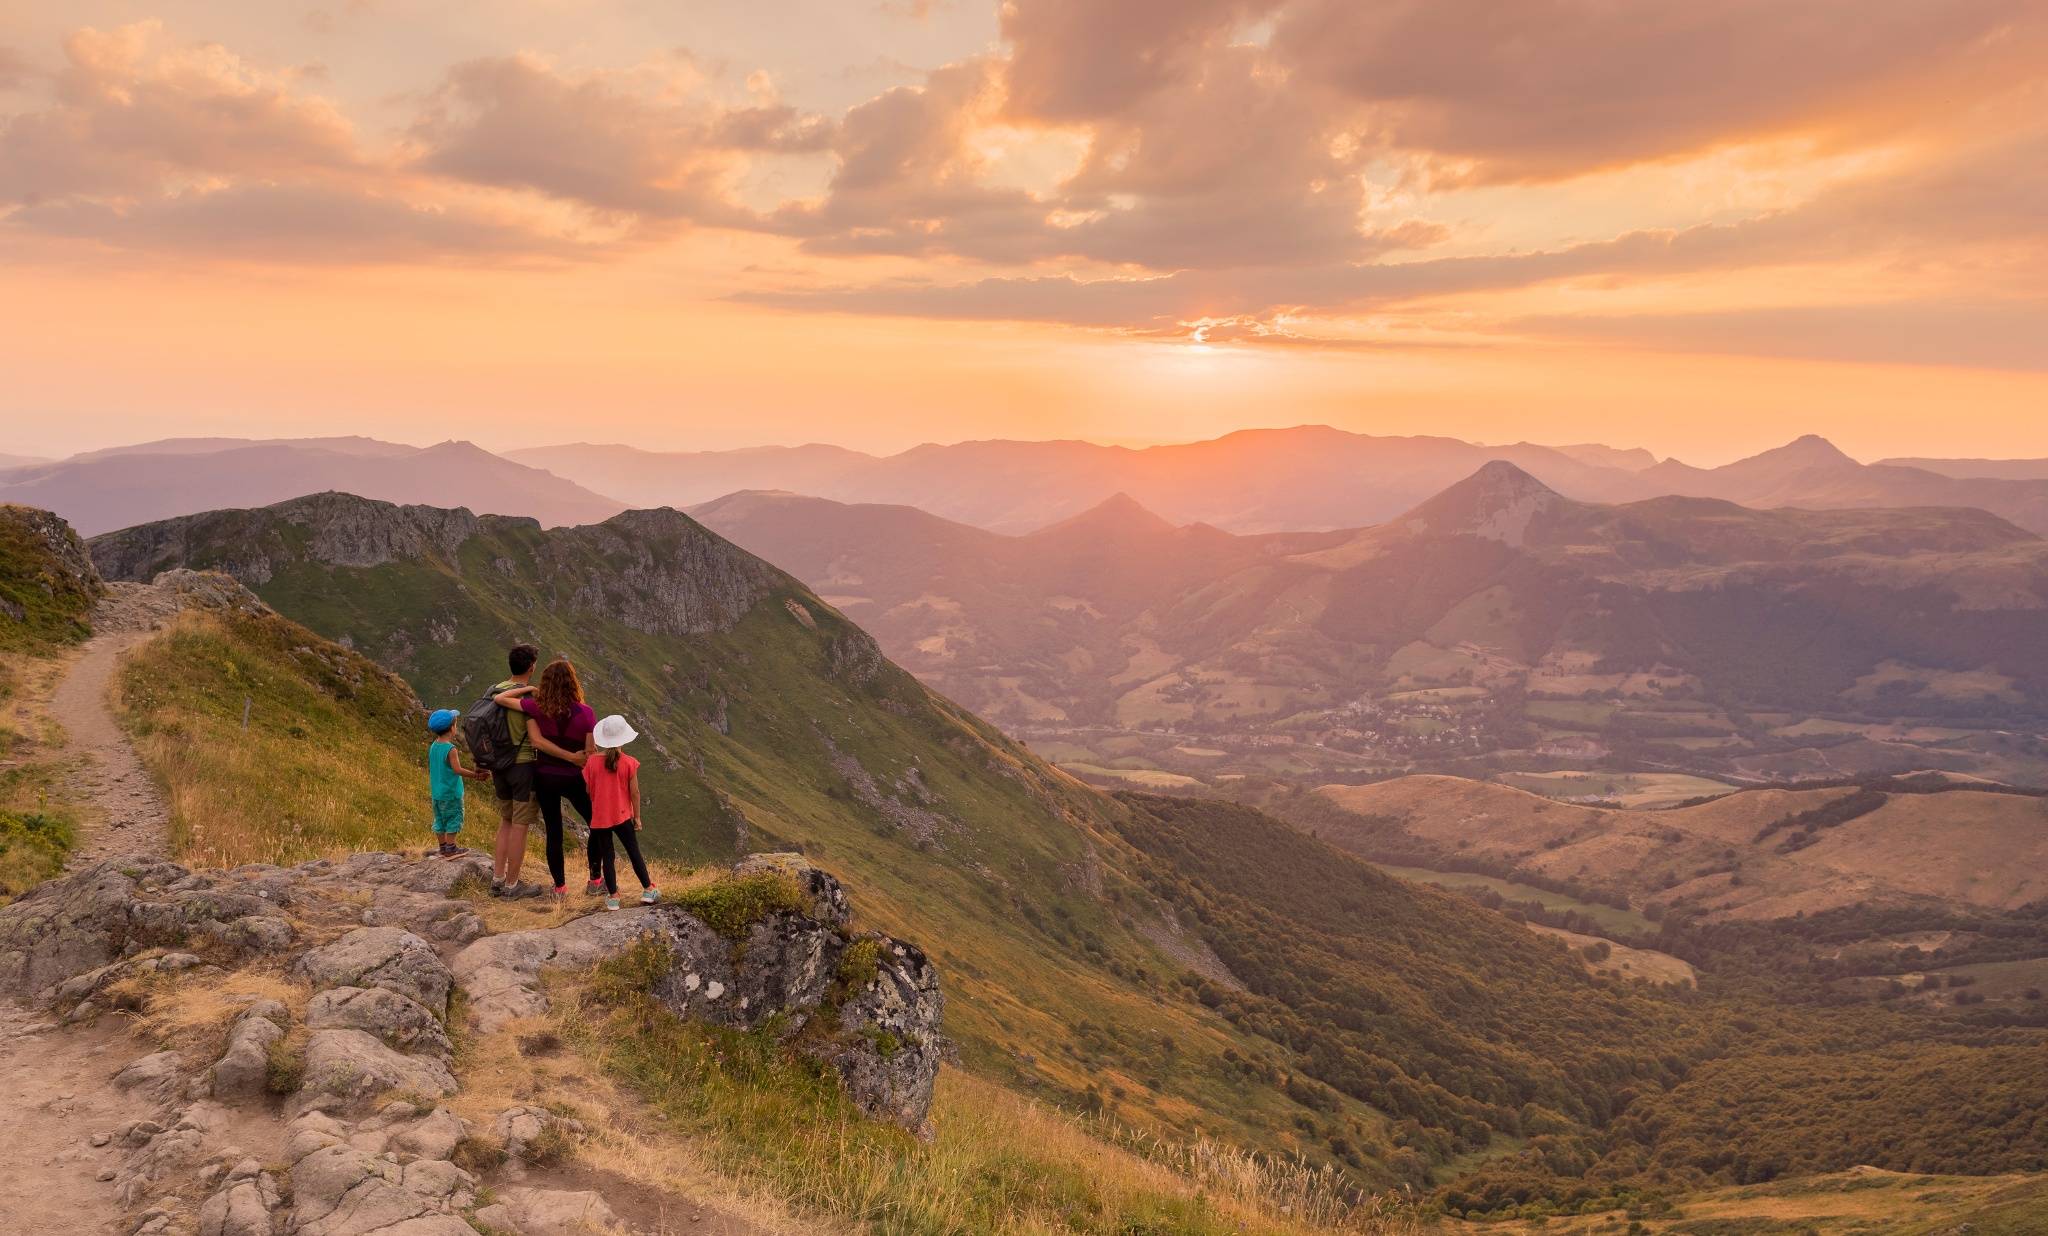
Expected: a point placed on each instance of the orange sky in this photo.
(1702, 229)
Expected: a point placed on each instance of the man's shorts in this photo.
(447, 815)
(516, 804)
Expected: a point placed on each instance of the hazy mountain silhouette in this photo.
(1263, 480)
(116, 489)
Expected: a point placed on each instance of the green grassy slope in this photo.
(333, 759)
(47, 591)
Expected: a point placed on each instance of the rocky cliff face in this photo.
(332, 529)
(352, 1085)
(654, 571)
(47, 580)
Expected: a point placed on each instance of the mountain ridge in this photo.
(1309, 477)
(110, 490)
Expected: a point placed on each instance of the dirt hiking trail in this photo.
(124, 814)
(60, 1104)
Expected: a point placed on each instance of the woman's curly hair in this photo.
(560, 690)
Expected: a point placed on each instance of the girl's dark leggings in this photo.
(551, 796)
(601, 853)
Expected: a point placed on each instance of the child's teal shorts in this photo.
(447, 815)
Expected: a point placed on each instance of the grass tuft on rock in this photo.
(859, 964)
(732, 906)
(285, 1065)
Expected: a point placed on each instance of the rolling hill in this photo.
(104, 490)
(1496, 616)
(1754, 855)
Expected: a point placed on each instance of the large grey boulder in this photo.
(346, 1069)
(392, 1016)
(889, 1044)
(388, 957)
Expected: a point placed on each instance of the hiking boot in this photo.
(450, 850)
(519, 890)
(594, 889)
(497, 888)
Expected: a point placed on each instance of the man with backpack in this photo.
(499, 743)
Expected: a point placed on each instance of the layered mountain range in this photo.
(1270, 480)
(1497, 603)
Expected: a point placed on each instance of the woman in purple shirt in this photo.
(559, 723)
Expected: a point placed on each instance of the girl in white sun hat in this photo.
(614, 783)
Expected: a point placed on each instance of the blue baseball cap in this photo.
(443, 720)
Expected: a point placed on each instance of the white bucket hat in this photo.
(614, 732)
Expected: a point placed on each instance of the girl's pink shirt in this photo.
(611, 790)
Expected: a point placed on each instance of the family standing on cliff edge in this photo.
(541, 746)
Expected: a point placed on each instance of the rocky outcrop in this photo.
(47, 580)
(867, 1004)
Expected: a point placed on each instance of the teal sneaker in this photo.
(651, 896)
(611, 903)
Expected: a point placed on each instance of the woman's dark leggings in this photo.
(551, 795)
(601, 853)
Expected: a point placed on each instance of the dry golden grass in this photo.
(313, 776)
(193, 1014)
(1966, 845)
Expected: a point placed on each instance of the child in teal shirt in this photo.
(445, 775)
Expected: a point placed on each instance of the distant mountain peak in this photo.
(1498, 502)
(1806, 451)
(1119, 514)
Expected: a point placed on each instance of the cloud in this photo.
(613, 142)
(1082, 60)
(193, 149)
(127, 120)
(1224, 167)
(1987, 200)
(908, 179)
(1548, 88)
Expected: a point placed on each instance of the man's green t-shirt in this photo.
(516, 720)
